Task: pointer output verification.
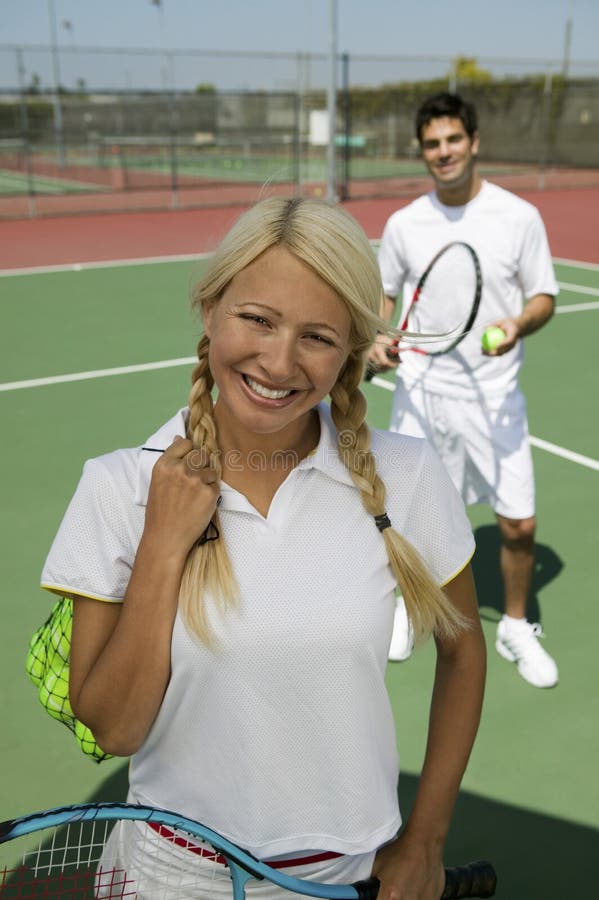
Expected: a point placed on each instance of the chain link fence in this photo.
(108, 148)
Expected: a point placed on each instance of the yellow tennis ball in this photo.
(492, 337)
(83, 734)
(54, 696)
(60, 640)
(36, 665)
(87, 742)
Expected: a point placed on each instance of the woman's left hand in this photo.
(409, 871)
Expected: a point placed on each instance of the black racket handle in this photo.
(477, 879)
(372, 370)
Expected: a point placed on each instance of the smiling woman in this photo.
(273, 358)
(248, 571)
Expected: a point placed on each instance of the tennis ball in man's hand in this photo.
(492, 337)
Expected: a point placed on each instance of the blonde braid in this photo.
(208, 566)
(428, 608)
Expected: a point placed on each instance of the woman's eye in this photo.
(258, 320)
(320, 339)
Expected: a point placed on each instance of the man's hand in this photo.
(383, 354)
(512, 336)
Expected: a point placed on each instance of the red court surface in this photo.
(571, 217)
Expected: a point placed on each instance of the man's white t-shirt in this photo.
(510, 239)
(282, 737)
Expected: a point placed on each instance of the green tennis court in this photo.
(530, 799)
(20, 182)
(136, 163)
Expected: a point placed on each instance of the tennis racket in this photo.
(443, 306)
(118, 850)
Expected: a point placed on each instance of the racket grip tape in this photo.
(372, 370)
(477, 879)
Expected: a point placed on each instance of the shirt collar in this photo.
(325, 457)
(151, 451)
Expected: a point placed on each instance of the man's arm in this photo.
(377, 354)
(537, 312)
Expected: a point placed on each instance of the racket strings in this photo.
(89, 860)
(442, 309)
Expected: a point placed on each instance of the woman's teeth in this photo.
(262, 391)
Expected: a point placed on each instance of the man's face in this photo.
(448, 152)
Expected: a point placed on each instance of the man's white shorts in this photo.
(483, 443)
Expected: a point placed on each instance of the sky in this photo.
(425, 33)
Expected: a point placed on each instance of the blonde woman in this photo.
(234, 578)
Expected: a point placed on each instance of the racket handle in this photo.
(392, 354)
(477, 879)
(367, 889)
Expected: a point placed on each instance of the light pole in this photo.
(168, 78)
(169, 84)
(332, 101)
(567, 41)
(69, 28)
(58, 126)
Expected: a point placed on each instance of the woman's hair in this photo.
(335, 247)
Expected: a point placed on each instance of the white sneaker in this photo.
(402, 640)
(517, 641)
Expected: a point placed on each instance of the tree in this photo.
(466, 69)
(35, 85)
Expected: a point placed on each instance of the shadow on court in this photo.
(487, 574)
(537, 857)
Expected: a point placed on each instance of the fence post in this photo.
(24, 129)
(58, 124)
(332, 102)
(298, 106)
(172, 127)
(545, 126)
(346, 101)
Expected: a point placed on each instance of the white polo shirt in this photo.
(510, 239)
(282, 737)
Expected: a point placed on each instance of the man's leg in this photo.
(517, 559)
(517, 639)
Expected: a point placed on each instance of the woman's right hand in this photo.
(183, 496)
(121, 653)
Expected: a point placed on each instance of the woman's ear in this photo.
(207, 319)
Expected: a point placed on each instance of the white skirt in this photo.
(139, 862)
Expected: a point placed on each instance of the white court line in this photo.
(536, 442)
(170, 363)
(576, 264)
(97, 373)
(565, 454)
(190, 360)
(576, 307)
(104, 264)
(579, 288)
(184, 257)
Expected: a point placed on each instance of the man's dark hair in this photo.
(446, 105)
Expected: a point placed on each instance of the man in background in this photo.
(468, 402)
